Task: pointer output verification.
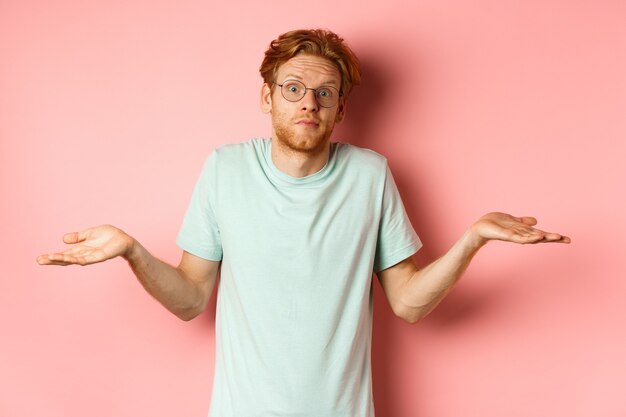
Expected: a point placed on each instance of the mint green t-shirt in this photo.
(294, 306)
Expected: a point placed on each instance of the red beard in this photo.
(309, 142)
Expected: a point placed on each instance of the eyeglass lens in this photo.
(293, 90)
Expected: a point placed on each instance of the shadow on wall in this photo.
(364, 105)
(362, 127)
(370, 108)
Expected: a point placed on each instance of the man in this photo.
(296, 225)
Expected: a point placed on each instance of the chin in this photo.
(308, 145)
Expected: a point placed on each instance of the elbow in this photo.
(191, 307)
(188, 315)
(410, 315)
(411, 318)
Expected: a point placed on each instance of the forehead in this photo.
(310, 68)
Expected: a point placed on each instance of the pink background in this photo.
(108, 109)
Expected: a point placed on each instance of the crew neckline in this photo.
(308, 179)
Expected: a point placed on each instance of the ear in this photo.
(341, 110)
(266, 98)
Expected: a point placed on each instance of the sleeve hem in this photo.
(398, 256)
(209, 255)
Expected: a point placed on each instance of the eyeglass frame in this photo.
(312, 89)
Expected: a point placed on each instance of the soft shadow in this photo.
(364, 104)
(208, 316)
(464, 305)
(368, 106)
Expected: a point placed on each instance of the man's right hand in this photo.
(183, 290)
(96, 244)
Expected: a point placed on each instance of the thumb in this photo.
(530, 221)
(74, 237)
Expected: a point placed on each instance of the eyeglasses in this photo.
(293, 90)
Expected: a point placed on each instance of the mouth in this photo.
(308, 122)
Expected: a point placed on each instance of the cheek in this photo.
(278, 114)
(331, 118)
(280, 119)
(280, 106)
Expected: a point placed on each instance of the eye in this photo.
(325, 92)
(292, 87)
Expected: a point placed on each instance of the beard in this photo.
(310, 142)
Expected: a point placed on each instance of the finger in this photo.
(83, 257)
(64, 259)
(75, 237)
(556, 238)
(45, 260)
(530, 221)
(54, 263)
(548, 238)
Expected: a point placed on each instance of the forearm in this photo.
(167, 284)
(426, 287)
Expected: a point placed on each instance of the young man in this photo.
(296, 225)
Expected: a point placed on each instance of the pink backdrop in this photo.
(108, 109)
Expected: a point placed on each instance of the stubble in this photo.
(311, 143)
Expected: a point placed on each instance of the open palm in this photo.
(501, 226)
(90, 246)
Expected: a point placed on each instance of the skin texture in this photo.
(301, 134)
(184, 290)
(301, 130)
(413, 292)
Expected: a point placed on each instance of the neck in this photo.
(299, 164)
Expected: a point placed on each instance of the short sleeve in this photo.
(397, 239)
(199, 233)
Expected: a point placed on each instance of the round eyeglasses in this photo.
(293, 90)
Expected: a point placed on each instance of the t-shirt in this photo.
(294, 305)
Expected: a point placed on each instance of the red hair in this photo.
(317, 42)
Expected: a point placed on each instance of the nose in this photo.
(309, 101)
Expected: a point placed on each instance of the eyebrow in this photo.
(330, 82)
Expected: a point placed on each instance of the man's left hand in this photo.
(502, 226)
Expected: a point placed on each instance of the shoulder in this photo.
(360, 158)
(240, 150)
(235, 155)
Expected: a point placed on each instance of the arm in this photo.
(183, 290)
(413, 292)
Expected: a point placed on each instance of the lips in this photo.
(308, 122)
